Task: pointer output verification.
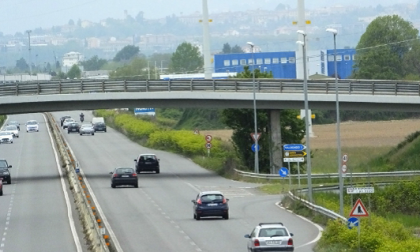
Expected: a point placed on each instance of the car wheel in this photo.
(157, 171)
(104, 130)
(81, 134)
(226, 216)
(136, 185)
(112, 185)
(9, 181)
(194, 217)
(1, 192)
(11, 142)
(37, 131)
(68, 132)
(197, 217)
(93, 134)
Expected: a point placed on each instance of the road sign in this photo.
(312, 116)
(209, 138)
(356, 190)
(344, 168)
(294, 154)
(253, 147)
(294, 147)
(352, 222)
(295, 159)
(255, 138)
(359, 210)
(283, 172)
(77, 170)
(345, 158)
(208, 145)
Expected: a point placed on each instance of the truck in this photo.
(97, 119)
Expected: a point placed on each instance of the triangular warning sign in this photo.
(255, 138)
(359, 210)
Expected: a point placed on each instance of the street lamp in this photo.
(256, 165)
(29, 48)
(337, 109)
(307, 116)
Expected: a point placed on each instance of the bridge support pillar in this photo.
(276, 149)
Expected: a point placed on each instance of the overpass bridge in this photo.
(43, 96)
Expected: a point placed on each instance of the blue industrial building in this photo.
(283, 64)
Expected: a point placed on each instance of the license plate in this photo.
(73, 130)
(125, 176)
(212, 204)
(272, 242)
(148, 162)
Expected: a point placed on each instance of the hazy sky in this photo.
(21, 15)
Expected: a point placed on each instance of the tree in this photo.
(186, 59)
(382, 48)
(226, 48)
(93, 63)
(240, 120)
(136, 70)
(74, 72)
(22, 65)
(127, 53)
(237, 49)
(71, 22)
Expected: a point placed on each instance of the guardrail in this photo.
(81, 194)
(332, 175)
(351, 87)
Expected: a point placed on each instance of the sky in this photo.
(21, 15)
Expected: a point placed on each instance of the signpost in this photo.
(208, 143)
(294, 147)
(359, 210)
(283, 172)
(295, 154)
(352, 222)
(296, 159)
(253, 147)
(255, 138)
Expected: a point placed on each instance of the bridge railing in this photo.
(355, 87)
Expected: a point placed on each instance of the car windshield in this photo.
(271, 232)
(11, 128)
(86, 126)
(125, 170)
(31, 123)
(13, 123)
(4, 133)
(3, 164)
(212, 198)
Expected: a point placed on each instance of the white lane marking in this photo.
(99, 208)
(193, 187)
(187, 237)
(66, 196)
(320, 229)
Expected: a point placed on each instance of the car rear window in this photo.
(268, 232)
(3, 164)
(148, 158)
(212, 198)
(125, 170)
(11, 127)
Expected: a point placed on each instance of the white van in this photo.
(97, 119)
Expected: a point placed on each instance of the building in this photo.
(70, 59)
(283, 64)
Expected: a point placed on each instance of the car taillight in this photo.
(199, 201)
(290, 242)
(256, 243)
(115, 175)
(134, 174)
(224, 201)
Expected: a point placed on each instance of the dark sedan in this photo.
(73, 128)
(124, 176)
(147, 162)
(4, 171)
(100, 126)
(210, 203)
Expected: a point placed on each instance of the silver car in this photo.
(6, 137)
(13, 129)
(87, 129)
(270, 237)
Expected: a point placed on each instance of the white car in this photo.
(6, 137)
(67, 122)
(32, 125)
(13, 129)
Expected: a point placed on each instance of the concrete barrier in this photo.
(95, 235)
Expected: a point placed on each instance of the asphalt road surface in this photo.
(158, 215)
(34, 213)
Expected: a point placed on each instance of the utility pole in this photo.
(155, 71)
(29, 48)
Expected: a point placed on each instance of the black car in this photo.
(64, 118)
(16, 123)
(124, 176)
(100, 126)
(210, 203)
(147, 162)
(73, 128)
(4, 171)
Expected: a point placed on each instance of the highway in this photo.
(158, 215)
(34, 212)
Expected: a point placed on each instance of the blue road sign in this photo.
(253, 148)
(352, 222)
(283, 172)
(294, 147)
(77, 170)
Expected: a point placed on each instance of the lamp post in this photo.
(256, 165)
(337, 110)
(29, 49)
(307, 116)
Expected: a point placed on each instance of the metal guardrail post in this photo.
(169, 86)
(214, 86)
(236, 86)
(38, 88)
(59, 87)
(103, 86)
(147, 85)
(259, 86)
(191, 85)
(81, 87)
(125, 85)
(17, 89)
